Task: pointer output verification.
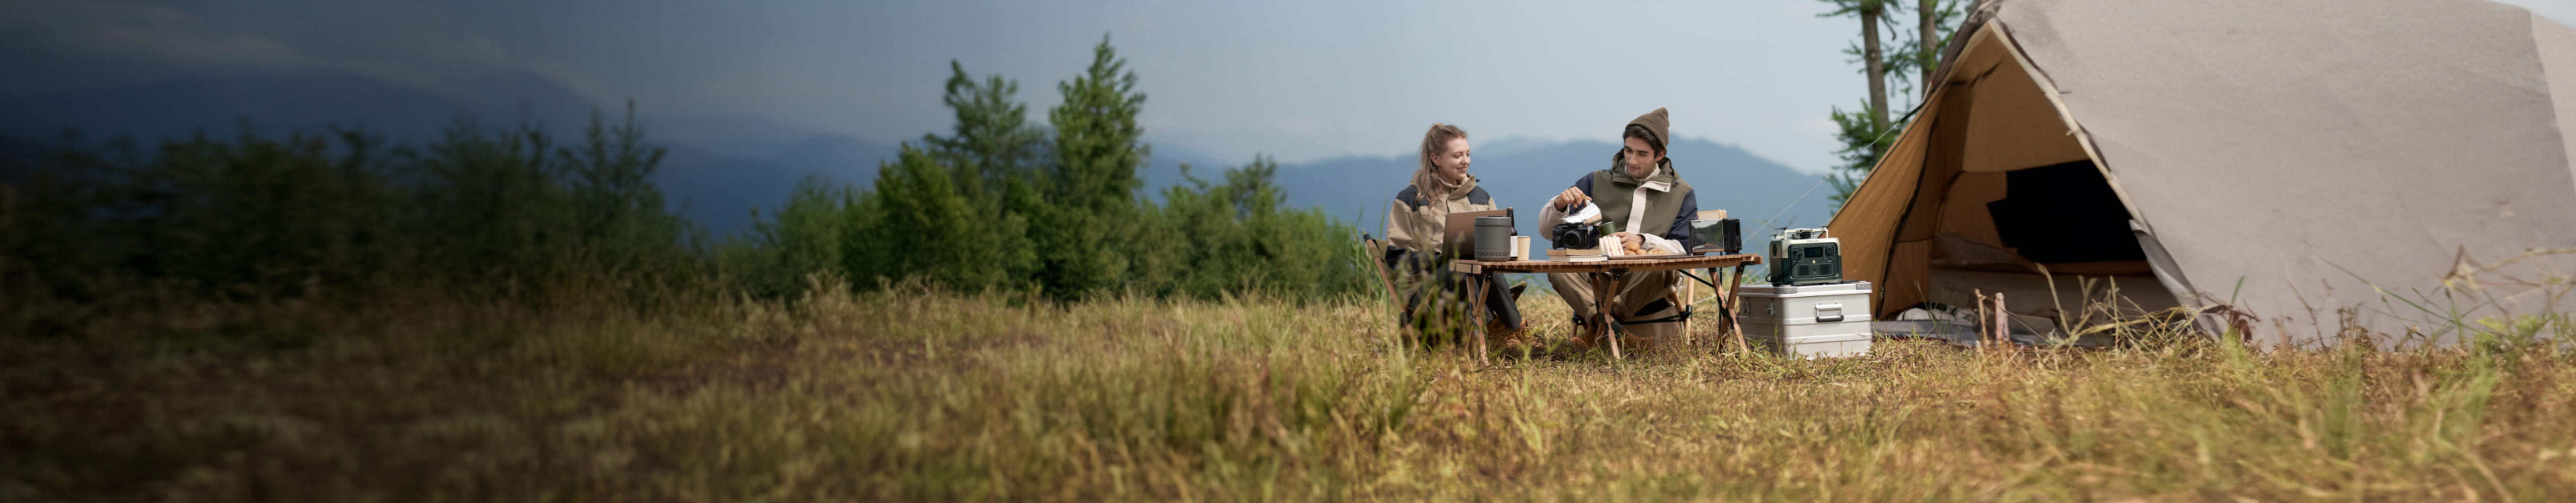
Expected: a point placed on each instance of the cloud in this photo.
(134, 31)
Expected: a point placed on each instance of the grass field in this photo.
(912, 395)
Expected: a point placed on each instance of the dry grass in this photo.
(910, 395)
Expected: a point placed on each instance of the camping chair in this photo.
(1377, 261)
(1396, 295)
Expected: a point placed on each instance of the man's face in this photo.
(1641, 158)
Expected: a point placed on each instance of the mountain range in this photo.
(719, 169)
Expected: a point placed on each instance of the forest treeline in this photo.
(999, 202)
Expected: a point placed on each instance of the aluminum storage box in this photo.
(1843, 338)
(1808, 320)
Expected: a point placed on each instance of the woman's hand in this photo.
(1572, 196)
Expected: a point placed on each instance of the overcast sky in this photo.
(1298, 79)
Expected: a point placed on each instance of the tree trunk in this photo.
(1872, 56)
(1927, 15)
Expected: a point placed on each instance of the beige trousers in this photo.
(1638, 291)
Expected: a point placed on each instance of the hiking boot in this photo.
(1502, 336)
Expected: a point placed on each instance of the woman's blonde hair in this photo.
(1434, 143)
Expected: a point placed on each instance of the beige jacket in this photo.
(1416, 217)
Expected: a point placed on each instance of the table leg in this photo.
(1476, 313)
(1600, 308)
(1727, 306)
(1606, 319)
(1690, 292)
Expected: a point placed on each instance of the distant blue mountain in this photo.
(735, 136)
(720, 192)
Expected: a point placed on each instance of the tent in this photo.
(2289, 167)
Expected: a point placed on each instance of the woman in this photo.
(1415, 222)
(1645, 204)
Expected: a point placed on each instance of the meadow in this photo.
(910, 393)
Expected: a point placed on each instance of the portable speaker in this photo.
(1724, 235)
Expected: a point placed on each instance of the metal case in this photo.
(1807, 320)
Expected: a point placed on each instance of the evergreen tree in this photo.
(924, 226)
(1098, 145)
(1090, 210)
(991, 150)
(809, 235)
(992, 142)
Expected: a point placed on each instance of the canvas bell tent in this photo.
(2299, 162)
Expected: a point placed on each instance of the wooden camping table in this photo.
(1603, 291)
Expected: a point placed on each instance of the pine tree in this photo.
(1091, 213)
(1098, 144)
(991, 150)
(992, 141)
(933, 230)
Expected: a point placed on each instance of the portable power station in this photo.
(1805, 257)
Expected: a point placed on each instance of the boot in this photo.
(1504, 336)
(1631, 344)
(1585, 335)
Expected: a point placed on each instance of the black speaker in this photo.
(1725, 235)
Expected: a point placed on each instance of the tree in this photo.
(1090, 210)
(1098, 144)
(992, 141)
(1234, 236)
(1866, 134)
(809, 235)
(924, 227)
(1927, 26)
(1921, 55)
(992, 151)
(1872, 13)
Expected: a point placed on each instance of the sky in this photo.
(1300, 80)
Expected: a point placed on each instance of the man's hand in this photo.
(1572, 196)
(1630, 239)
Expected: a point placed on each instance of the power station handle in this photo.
(1829, 312)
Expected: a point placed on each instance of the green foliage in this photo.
(925, 226)
(512, 206)
(305, 215)
(1001, 204)
(992, 143)
(997, 204)
(1215, 238)
(1098, 145)
(807, 236)
(1864, 140)
(1090, 219)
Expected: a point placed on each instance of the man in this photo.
(1645, 203)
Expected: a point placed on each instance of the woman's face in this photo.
(1641, 158)
(1451, 164)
